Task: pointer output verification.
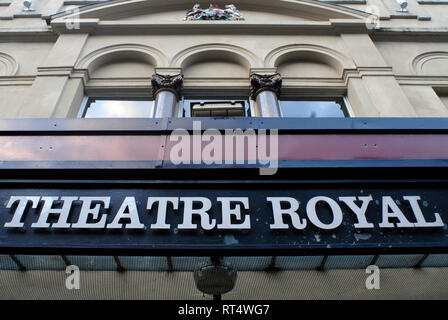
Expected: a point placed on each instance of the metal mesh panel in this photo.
(348, 262)
(42, 262)
(398, 261)
(106, 263)
(187, 263)
(6, 263)
(144, 263)
(249, 263)
(298, 263)
(436, 260)
(244, 263)
(428, 283)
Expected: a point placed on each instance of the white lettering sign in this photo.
(220, 213)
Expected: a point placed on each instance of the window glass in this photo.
(313, 108)
(126, 108)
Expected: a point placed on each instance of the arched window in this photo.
(311, 64)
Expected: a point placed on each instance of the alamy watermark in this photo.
(73, 280)
(73, 21)
(373, 280)
(236, 146)
(373, 20)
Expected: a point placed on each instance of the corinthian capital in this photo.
(261, 82)
(167, 82)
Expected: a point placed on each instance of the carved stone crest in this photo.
(167, 82)
(261, 82)
(214, 13)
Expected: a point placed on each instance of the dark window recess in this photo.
(218, 108)
(215, 106)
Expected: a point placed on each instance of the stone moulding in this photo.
(332, 57)
(8, 65)
(154, 56)
(418, 63)
(246, 56)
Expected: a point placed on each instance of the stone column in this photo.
(166, 91)
(265, 91)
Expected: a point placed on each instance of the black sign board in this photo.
(242, 217)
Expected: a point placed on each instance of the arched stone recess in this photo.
(8, 65)
(430, 64)
(216, 61)
(308, 61)
(122, 61)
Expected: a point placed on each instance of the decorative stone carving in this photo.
(261, 82)
(431, 63)
(8, 66)
(214, 13)
(172, 83)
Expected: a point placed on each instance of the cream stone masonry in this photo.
(54, 57)
(385, 63)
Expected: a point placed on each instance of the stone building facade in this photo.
(68, 59)
(387, 64)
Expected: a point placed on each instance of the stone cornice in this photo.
(213, 83)
(17, 81)
(434, 81)
(54, 71)
(27, 35)
(331, 27)
(375, 71)
(168, 70)
(71, 26)
(407, 34)
(80, 2)
(141, 85)
(96, 26)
